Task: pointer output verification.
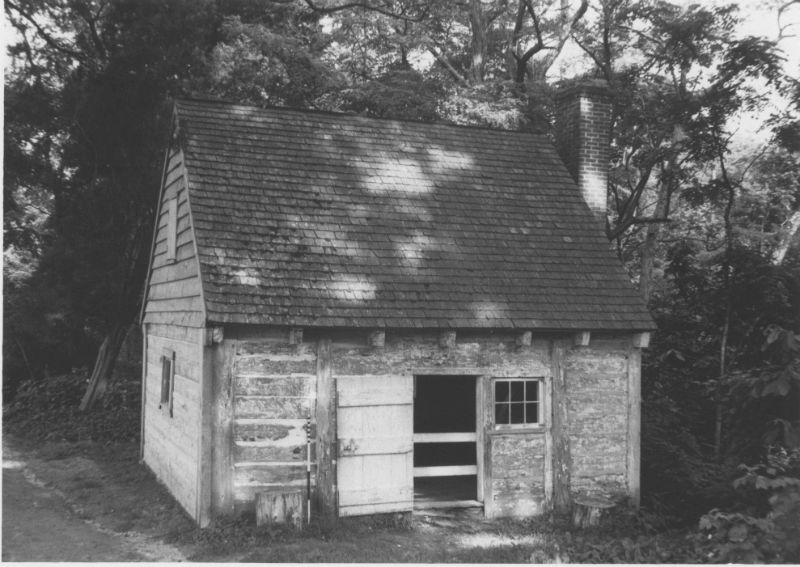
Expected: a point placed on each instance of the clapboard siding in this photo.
(274, 394)
(174, 332)
(174, 294)
(186, 363)
(171, 442)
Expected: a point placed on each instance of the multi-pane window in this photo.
(517, 402)
(167, 380)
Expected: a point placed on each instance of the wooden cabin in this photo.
(439, 301)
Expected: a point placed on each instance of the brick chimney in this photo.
(582, 132)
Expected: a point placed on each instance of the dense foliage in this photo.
(708, 226)
(47, 411)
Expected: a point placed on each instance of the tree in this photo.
(91, 142)
(677, 76)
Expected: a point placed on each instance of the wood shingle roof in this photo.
(318, 219)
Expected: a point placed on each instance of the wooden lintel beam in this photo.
(213, 335)
(582, 338)
(377, 338)
(641, 340)
(295, 335)
(447, 339)
(525, 338)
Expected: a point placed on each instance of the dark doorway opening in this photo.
(445, 441)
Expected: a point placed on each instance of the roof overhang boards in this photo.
(213, 335)
(641, 340)
(582, 338)
(377, 338)
(447, 338)
(638, 340)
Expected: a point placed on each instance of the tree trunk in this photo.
(648, 249)
(129, 301)
(104, 365)
(785, 238)
(479, 45)
(727, 284)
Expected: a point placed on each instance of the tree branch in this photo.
(447, 65)
(43, 33)
(365, 5)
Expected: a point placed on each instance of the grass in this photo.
(106, 484)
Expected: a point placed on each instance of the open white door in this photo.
(375, 428)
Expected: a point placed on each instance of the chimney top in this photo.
(582, 132)
(595, 88)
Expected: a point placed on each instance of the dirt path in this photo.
(40, 525)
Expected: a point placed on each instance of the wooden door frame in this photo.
(481, 448)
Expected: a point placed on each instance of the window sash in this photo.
(517, 402)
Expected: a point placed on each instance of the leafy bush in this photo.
(767, 528)
(47, 410)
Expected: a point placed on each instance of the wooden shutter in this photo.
(375, 430)
(172, 228)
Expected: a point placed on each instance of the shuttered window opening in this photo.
(167, 380)
(172, 229)
(517, 403)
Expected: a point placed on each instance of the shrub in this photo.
(766, 528)
(47, 410)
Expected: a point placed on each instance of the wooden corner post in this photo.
(326, 432)
(560, 449)
(218, 426)
(634, 452)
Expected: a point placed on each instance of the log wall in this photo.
(597, 404)
(274, 389)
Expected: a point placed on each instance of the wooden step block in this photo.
(588, 510)
(283, 506)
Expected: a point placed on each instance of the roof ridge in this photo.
(339, 113)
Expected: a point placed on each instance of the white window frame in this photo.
(540, 405)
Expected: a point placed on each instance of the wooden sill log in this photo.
(587, 510)
(280, 507)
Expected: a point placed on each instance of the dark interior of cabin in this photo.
(444, 405)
